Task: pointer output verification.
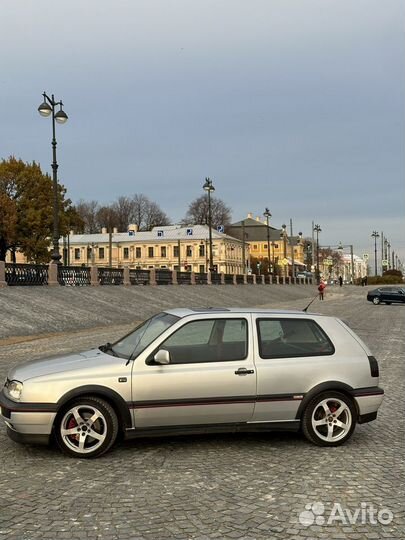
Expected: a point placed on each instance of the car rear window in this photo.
(283, 338)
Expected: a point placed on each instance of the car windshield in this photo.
(134, 343)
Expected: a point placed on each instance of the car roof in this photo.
(187, 312)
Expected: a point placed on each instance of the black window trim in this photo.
(303, 355)
(150, 361)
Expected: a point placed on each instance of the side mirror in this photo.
(162, 357)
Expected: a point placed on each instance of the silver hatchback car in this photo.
(197, 371)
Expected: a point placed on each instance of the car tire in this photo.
(329, 419)
(86, 428)
(376, 300)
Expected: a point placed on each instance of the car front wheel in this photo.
(329, 419)
(376, 300)
(87, 427)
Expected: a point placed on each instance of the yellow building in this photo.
(283, 248)
(173, 247)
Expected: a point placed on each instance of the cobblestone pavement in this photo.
(247, 486)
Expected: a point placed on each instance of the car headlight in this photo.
(13, 389)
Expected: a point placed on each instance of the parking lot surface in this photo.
(247, 486)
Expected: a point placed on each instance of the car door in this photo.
(397, 295)
(289, 355)
(211, 377)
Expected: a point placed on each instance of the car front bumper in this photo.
(31, 425)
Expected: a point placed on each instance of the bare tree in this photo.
(123, 209)
(147, 214)
(88, 210)
(197, 212)
(154, 216)
(139, 210)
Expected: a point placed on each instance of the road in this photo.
(246, 486)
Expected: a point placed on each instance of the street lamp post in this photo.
(340, 247)
(47, 108)
(267, 215)
(283, 236)
(375, 235)
(209, 188)
(317, 229)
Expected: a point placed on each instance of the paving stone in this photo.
(194, 487)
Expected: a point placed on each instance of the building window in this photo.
(265, 246)
(77, 254)
(175, 251)
(101, 253)
(163, 251)
(189, 251)
(201, 250)
(138, 253)
(126, 253)
(255, 246)
(202, 268)
(150, 252)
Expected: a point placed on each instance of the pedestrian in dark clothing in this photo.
(340, 280)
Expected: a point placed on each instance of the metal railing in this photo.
(184, 278)
(250, 279)
(110, 276)
(26, 274)
(73, 276)
(240, 279)
(201, 278)
(139, 277)
(215, 279)
(163, 277)
(228, 279)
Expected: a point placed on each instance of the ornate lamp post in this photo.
(267, 215)
(375, 235)
(340, 248)
(317, 229)
(283, 237)
(47, 108)
(209, 188)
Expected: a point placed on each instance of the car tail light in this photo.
(375, 372)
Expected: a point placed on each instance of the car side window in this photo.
(282, 338)
(213, 340)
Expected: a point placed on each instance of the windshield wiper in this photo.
(108, 348)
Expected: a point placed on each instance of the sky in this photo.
(297, 105)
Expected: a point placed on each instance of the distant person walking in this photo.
(321, 289)
(340, 280)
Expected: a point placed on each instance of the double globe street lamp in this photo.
(317, 229)
(47, 108)
(209, 188)
(267, 215)
(375, 235)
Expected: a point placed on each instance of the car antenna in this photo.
(313, 299)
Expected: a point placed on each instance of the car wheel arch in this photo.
(111, 396)
(334, 386)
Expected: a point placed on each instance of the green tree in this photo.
(26, 210)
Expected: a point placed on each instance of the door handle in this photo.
(244, 371)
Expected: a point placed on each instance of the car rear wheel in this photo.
(329, 419)
(376, 300)
(87, 427)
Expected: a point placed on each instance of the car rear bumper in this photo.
(368, 401)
